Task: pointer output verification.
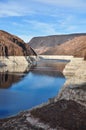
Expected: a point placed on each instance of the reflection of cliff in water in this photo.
(13, 74)
(6, 79)
(49, 68)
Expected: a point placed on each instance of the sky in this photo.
(32, 18)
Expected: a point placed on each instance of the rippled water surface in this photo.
(22, 91)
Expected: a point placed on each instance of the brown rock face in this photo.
(75, 47)
(11, 45)
(73, 44)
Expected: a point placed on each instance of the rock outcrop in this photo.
(73, 44)
(75, 85)
(11, 45)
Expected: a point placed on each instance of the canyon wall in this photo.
(11, 45)
(69, 44)
(14, 50)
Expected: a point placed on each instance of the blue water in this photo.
(30, 90)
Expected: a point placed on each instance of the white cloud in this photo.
(47, 7)
(65, 3)
(14, 8)
(46, 17)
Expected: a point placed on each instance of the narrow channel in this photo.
(22, 91)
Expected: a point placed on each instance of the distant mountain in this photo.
(11, 45)
(71, 44)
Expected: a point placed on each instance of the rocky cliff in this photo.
(11, 45)
(75, 85)
(72, 44)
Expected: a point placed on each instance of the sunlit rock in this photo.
(75, 85)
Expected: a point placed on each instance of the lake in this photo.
(22, 91)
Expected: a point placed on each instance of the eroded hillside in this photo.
(73, 44)
(11, 45)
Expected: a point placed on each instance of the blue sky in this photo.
(30, 18)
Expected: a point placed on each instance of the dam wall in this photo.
(56, 57)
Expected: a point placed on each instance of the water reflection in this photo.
(26, 90)
(7, 79)
(51, 68)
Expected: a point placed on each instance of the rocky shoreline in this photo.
(61, 115)
(15, 63)
(67, 111)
